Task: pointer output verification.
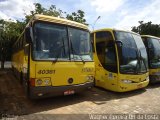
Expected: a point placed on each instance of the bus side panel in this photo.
(25, 75)
(104, 78)
(17, 63)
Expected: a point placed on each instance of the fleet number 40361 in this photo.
(46, 72)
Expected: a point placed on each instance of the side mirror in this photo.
(92, 42)
(119, 43)
(27, 35)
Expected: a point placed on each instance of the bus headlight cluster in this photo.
(90, 78)
(43, 82)
(39, 82)
(47, 82)
(127, 81)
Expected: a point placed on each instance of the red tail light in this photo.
(32, 81)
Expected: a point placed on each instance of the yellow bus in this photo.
(121, 62)
(152, 44)
(53, 56)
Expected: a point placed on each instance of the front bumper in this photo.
(50, 91)
(133, 86)
(154, 78)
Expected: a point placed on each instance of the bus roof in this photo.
(113, 29)
(150, 36)
(58, 20)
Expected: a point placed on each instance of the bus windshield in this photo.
(154, 52)
(80, 44)
(132, 53)
(59, 42)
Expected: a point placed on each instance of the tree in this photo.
(9, 33)
(52, 11)
(147, 28)
(78, 17)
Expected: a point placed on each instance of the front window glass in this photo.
(59, 42)
(80, 43)
(142, 53)
(132, 53)
(154, 52)
(50, 42)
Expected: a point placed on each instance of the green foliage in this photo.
(51, 11)
(78, 17)
(9, 32)
(147, 29)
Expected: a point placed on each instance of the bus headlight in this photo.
(90, 78)
(127, 81)
(39, 82)
(47, 82)
(43, 82)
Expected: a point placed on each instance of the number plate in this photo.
(69, 92)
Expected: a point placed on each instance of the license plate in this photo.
(69, 92)
(140, 86)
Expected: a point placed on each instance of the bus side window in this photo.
(106, 53)
(110, 57)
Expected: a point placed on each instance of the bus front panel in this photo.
(120, 60)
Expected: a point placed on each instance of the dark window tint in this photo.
(106, 53)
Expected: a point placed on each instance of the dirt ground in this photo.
(97, 101)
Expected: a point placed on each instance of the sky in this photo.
(120, 14)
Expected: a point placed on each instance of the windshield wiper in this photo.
(127, 69)
(58, 54)
(74, 52)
